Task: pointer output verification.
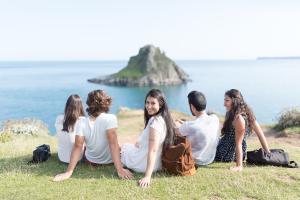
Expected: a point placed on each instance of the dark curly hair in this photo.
(98, 102)
(239, 107)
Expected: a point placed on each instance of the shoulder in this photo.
(239, 121)
(108, 120)
(106, 117)
(59, 119)
(157, 119)
(109, 117)
(81, 120)
(213, 117)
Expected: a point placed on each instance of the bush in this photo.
(5, 137)
(289, 118)
(25, 127)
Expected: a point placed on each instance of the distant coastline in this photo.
(279, 58)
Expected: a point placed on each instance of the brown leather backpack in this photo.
(177, 159)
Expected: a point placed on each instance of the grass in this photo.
(293, 130)
(5, 137)
(22, 181)
(132, 71)
(129, 73)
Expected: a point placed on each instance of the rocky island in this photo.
(150, 67)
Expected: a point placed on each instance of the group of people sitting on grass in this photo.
(93, 139)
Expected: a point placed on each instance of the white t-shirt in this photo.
(135, 157)
(65, 139)
(203, 136)
(95, 137)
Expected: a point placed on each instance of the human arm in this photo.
(261, 136)
(151, 157)
(239, 125)
(115, 152)
(75, 156)
(178, 124)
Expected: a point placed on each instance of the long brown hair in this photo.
(164, 112)
(73, 110)
(98, 102)
(238, 107)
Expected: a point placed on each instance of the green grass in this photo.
(293, 130)
(5, 137)
(132, 71)
(128, 73)
(22, 181)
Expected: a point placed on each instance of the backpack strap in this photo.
(293, 164)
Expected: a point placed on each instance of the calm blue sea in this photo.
(40, 89)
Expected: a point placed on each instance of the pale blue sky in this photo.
(108, 30)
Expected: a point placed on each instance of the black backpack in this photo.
(40, 154)
(277, 157)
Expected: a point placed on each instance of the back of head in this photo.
(198, 100)
(98, 102)
(73, 110)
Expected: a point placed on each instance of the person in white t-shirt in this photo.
(66, 124)
(202, 132)
(99, 135)
(145, 155)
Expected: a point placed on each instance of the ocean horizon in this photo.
(39, 89)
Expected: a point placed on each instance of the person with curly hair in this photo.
(100, 137)
(238, 124)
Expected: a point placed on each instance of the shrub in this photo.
(289, 118)
(25, 127)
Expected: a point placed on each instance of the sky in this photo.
(115, 30)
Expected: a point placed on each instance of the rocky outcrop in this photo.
(149, 68)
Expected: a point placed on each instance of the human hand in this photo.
(124, 174)
(178, 123)
(62, 176)
(145, 182)
(236, 168)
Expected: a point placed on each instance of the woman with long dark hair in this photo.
(99, 136)
(158, 133)
(238, 124)
(66, 124)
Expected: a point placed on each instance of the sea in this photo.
(39, 89)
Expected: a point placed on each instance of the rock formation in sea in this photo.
(150, 67)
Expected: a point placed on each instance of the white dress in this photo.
(135, 158)
(65, 139)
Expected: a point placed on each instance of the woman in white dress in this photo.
(145, 155)
(66, 124)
